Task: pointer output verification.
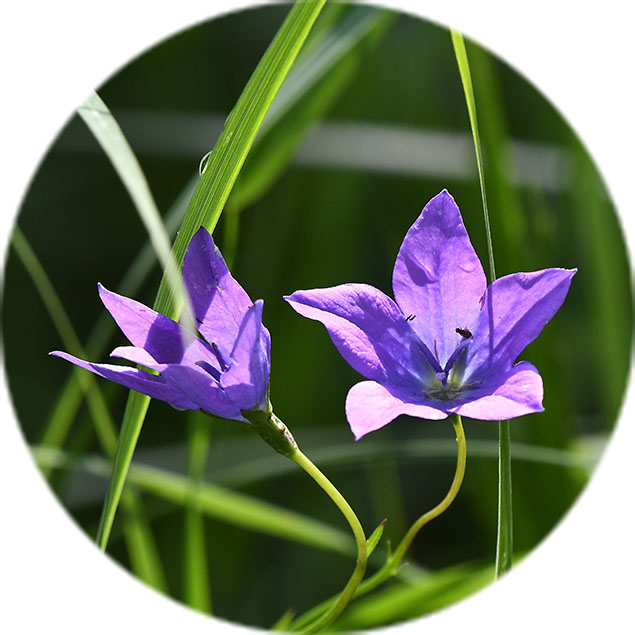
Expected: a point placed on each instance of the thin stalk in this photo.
(504, 537)
(393, 563)
(360, 538)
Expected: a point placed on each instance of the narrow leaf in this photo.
(207, 203)
(504, 539)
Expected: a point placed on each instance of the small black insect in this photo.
(464, 333)
(411, 317)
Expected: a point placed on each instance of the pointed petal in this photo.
(247, 379)
(520, 393)
(438, 277)
(137, 356)
(370, 406)
(164, 339)
(203, 390)
(218, 301)
(152, 385)
(368, 330)
(515, 309)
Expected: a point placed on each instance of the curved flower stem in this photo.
(274, 432)
(392, 565)
(360, 538)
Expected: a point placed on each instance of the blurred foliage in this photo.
(322, 223)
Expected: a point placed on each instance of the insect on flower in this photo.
(222, 370)
(430, 367)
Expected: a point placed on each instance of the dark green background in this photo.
(320, 225)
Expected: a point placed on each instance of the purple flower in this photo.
(449, 343)
(224, 372)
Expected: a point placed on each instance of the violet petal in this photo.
(370, 406)
(219, 303)
(515, 310)
(203, 390)
(438, 277)
(154, 386)
(368, 330)
(520, 393)
(164, 339)
(137, 356)
(247, 379)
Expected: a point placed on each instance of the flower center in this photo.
(448, 383)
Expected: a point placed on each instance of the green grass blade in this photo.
(142, 549)
(196, 587)
(214, 501)
(312, 86)
(106, 130)
(466, 80)
(207, 203)
(504, 538)
(104, 425)
(403, 601)
(246, 473)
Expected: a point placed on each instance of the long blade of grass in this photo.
(141, 546)
(216, 502)
(102, 124)
(245, 473)
(207, 203)
(196, 586)
(504, 538)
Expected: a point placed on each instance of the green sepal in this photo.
(271, 429)
(375, 537)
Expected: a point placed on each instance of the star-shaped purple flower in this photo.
(449, 343)
(224, 372)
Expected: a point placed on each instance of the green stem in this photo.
(504, 537)
(274, 432)
(392, 565)
(360, 538)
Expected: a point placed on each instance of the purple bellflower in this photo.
(449, 342)
(223, 372)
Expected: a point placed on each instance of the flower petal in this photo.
(203, 390)
(154, 386)
(438, 277)
(218, 301)
(368, 330)
(164, 339)
(520, 393)
(247, 379)
(515, 309)
(370, 406)
(137, 356)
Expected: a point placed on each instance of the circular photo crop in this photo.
(306, 292)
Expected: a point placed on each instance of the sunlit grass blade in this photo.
(216, 502)
(319, 77)
(106, 130)
(207, 204)
(504, 538)
(70, 398)
(143, 553)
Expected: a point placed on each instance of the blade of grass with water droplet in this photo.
(207, 203)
